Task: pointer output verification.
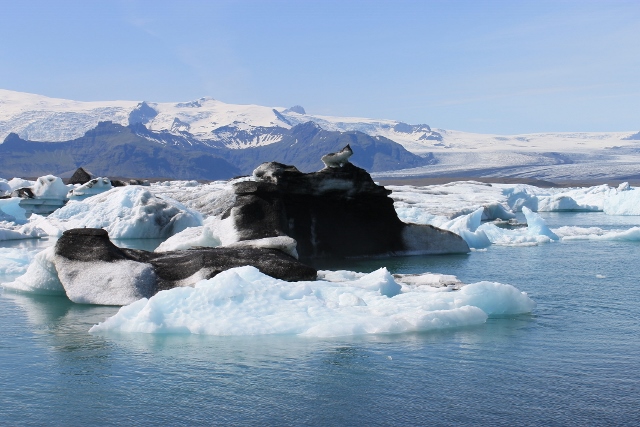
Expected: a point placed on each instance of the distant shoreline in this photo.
(424, 181)
(418, 182)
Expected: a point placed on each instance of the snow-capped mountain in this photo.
(40, 118)
(213, 124)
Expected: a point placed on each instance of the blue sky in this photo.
(481, 66)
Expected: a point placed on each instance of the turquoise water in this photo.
(574, 361)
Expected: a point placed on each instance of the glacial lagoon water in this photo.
(574, 361)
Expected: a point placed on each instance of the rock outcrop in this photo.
(338, 211)
(80, 176)
(93, 270)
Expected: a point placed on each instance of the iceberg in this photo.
(243, 301)
(91, 188)
(129, 212)
(536, 232)
(15, 261)
(5, 188)
(41, 276)
(625, 201)
(596, 233)
(10, 210)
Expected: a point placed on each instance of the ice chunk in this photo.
(50, 187)
(556, 199)
(535, 233)
(14, 261)
(466, 226)
(91, 188)
(215, 232)
(190, 238)
(496, 211)
(625, 202)
(243, 301)
(10, 210)
(5, 188)
(126, 213)
(17, 183)
(623, 187)
(536, 225)
(106, 283)
(284, 244)
(596, 233)
(41, 276)
(25, 232)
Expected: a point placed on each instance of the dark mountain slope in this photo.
(134, 151)
(306, 143)
(110, 150)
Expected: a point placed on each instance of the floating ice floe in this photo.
(10, 210)
(462, 198)
(5, 188)
(40, 277)
(596, 233)
(91, 188)
(243, 301)
(13, 222)
(49, 194)
(479, 235)
(128, 212)
(536, 232)
(15, 261)
(16, 183)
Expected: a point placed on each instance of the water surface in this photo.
(574, 361)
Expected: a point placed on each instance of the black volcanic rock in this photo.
(80, 176)
(79, 250)
(334, 212)
(296, 109)
(23, 193)
(142, 114)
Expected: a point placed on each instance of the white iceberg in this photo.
(15, 261)
(243, 301)
(596, 233)
(10, 210)
(41, 276)
(91, 188)
(5, 188)
(128, 212)
(625, 201)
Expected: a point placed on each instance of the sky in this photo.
(502, 67)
